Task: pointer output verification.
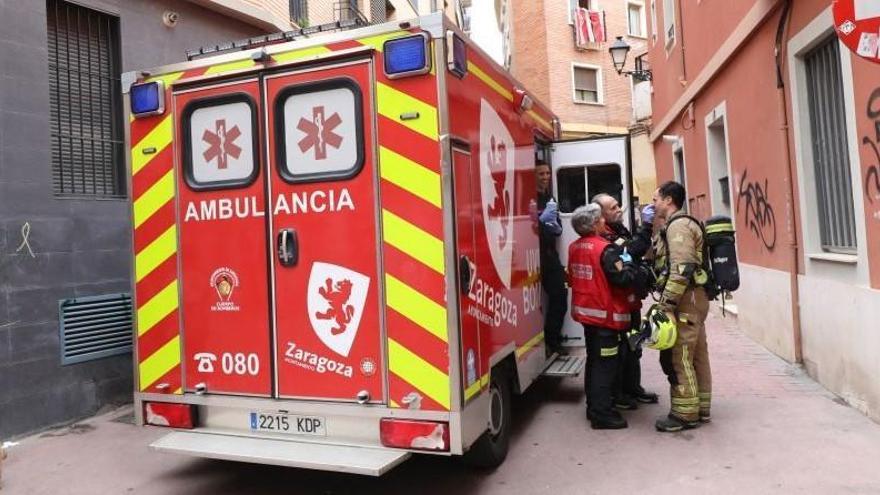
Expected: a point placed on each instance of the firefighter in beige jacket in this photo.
(678, 257)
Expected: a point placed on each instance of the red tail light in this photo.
(173, 415)
(410, 434)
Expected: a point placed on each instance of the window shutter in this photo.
(84, 101)
(585, 79)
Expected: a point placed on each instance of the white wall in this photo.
(764, 306)
(841, 340)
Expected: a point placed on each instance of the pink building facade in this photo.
(767, 118)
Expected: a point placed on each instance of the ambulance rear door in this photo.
(582, 169)
(224, 281)
(324, 229)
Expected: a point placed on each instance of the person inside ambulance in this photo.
(601, 276)
(630, 391)
(552, 273)
(678, 257)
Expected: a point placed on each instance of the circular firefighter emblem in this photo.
(224, 281)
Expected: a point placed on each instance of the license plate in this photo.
(288, 423)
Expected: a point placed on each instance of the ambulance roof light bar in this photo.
(271, 39)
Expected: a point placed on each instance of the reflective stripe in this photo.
(622, 317)
(409, 175)
(159, 363)
(237, 65)
(721, 227)
(413, 241)
(595, 313)
(155, 254)
(301, 53)
(154, 198)
(609, 351)
(419, 309)
(421, 374)
(393, 103)
(158, 138)
(487, 79)
(157, 308)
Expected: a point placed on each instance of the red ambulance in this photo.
(335, 247)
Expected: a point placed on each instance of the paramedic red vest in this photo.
(594, 301)
(632, 302)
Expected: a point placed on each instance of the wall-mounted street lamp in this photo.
(619, 50)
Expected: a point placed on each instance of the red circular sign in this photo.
(857, 23)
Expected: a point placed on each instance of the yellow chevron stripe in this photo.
(418, 373)
(378, 40)
(394, 403)
(416, 307)
(155, 253)
(541, 120)
(413, 241)
(475, 387)
(392, 103)
(153, 198)
(229, 66)
(168, 79)
(159, 363)
(409, 175)
(530, 344)
(301, 53)
(178, 391)
(160, 306)
(486, 78)
(158, 138)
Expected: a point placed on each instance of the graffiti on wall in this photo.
(758, 212)
(872, 175)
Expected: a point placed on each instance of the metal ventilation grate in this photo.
(95, 327)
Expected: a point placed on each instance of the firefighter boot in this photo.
(671, 424)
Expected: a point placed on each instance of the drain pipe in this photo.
(794, 285)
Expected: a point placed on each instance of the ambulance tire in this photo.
(490, 450)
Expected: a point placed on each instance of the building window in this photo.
(635, 13)
(299, 12)
(587, 84)
(831, 165)
(669, 22)
(85, 102)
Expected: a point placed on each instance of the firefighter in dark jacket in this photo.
(552, 273)
(629, 390)
(601, 276)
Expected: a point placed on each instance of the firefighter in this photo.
(552, 273)
(678, 258)
(629, 390)
(601, 276)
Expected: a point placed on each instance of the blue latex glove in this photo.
(648, 213)
(550, 213)
(626, 257)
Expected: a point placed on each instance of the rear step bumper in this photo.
(562, 366)
(339, 458)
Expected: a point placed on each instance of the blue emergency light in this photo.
(408, 56)
(147, 98)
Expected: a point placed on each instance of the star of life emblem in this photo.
(336, 299)
(222, 142)
(322, 132)
(496, 186)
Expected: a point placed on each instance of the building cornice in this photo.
(754, 19)
(248, 13)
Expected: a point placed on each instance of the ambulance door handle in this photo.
(288, 247)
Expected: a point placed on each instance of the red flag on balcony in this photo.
(597, 26)
(582, 34)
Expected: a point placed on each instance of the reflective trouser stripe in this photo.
(609, 351)
(595, 313)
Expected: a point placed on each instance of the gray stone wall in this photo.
(81, 247)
